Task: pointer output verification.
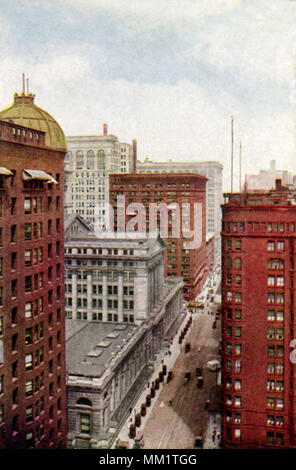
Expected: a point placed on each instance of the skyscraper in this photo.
(258, 300)
(89, 161)
(173, 190)
(32, 327)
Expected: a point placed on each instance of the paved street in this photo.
(175, 426)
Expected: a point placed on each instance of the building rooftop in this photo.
(90, 347)
(280, 196)
(24, 112)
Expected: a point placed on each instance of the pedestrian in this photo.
(213, 437)
(130, 410)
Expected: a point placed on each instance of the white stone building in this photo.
(120, 312)
(89, 161)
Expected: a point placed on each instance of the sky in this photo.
(169, 73)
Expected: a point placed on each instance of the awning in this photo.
(38, 175)
(5, 171)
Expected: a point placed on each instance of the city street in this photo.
(175, 425)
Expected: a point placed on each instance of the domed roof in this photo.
(24, 112)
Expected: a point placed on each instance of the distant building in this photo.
(258, 303)
(121, 311)
(89, 161)
(170, 189)
(266, 178)
(32, 323)
(213, 172)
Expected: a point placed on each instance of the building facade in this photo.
(121, 313)
(213, 172)
(174, 191)
(32, 328)
(258, 300)
(89, 161)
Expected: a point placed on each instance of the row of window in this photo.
(270, 227)
(98, 316)
(128, 276)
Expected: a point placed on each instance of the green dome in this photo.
(25, 113)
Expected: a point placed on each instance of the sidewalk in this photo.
(162, 358)
(213, 434)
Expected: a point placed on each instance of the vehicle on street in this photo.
(170, 376)
(214, 364)
(198, 371)
(200, 381)
(198, 441)
(187, 376)
(121, 444)
(139, 441)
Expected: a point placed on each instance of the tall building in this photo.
(258, 300)
(213, 172)
(120, 312)
(89, 161)
(32, 326)
(173, 190)
(265, 179)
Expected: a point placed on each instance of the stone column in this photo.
(105, 294)
(89, 295)
(74, 295)
(120, 297)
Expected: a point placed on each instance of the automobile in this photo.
(198, 371)
(213, 364)
(200, 381)
(198, 441)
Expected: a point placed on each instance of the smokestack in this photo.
(105, 128)
(134, 170)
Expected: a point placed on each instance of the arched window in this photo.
(275, 263)
(84, 401)
(79, 160)
(237, 263)
(68, 160)
(101, 159)
(90, 160)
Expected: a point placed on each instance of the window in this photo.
(275, 263)
(271, 281)
(281, 246)
(28, 309)
(29, 388)
(238, 263)
(28, 231)
(238, 244)
(29, 361)
(270, 246)
(85, 423)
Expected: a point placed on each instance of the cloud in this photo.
(196, 65)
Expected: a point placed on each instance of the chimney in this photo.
(134, 170)
(278, 184)
(105, 128)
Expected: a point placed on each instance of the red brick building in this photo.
(32, 327)
(258, 300)
(170, 189)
